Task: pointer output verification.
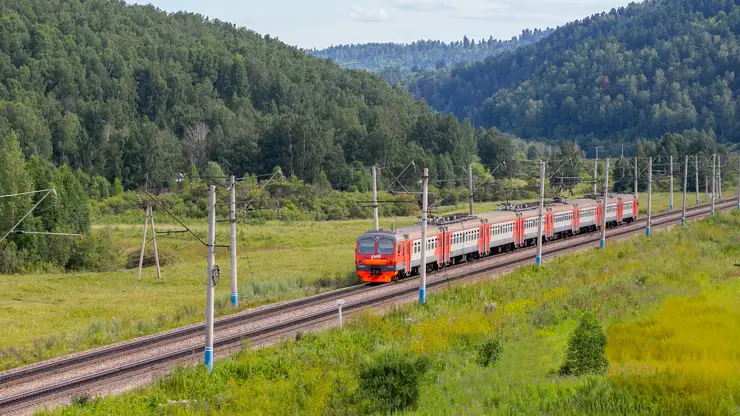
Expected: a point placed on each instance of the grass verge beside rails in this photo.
(669, 305)
(48, 315)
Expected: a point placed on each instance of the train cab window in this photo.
(385, 246)
(366, 246)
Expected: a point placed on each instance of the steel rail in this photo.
(33, 371)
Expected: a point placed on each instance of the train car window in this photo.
(367, 246)
(385, 246)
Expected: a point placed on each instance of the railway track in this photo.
(25, 388)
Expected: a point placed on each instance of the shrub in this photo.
(132, 259)
(586, 348)
(391, 382)
(10, 259)
(95, 252)
(489, 352)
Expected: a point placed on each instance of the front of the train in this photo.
(375, 257)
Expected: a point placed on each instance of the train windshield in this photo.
(386, 246)
(367, 246)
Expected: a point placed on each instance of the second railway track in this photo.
(309, 312)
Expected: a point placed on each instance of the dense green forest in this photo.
(395, 60)
(126, 91)
(98, 97)
(635, 72)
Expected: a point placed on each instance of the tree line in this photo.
(395, 61)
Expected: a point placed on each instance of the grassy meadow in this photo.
(668, 306)
(47, 315)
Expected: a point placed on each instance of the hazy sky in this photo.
(320, 23)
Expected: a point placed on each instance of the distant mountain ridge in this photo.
(394, 60)
(635, 72)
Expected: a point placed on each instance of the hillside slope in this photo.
(637, 71)
(125, 91)
(394, 60)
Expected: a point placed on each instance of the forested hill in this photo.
(637, 71)
(393, 60)
(129, 91)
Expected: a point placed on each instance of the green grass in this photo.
(47, 315)
(669, 305)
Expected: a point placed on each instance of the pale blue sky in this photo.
(320, 23)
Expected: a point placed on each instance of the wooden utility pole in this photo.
(154, 239)
(143, 240)
(149, 219)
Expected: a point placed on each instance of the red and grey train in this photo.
(384, 256)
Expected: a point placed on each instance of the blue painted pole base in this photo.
(647, 231)
(208, 358)
(234, 300)
(603, 243)
(422, 296)
(539, 261)
(670, 207)
(697, 202)
(683, 222)
(713, 212)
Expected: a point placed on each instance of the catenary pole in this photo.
(685, 191)
(541, 221)
(714, 179)
(596, 170)
(208, 353)
(232, 224)
(670, 202)
(719, 177)
(650, 196)
(696, 164)
(423, 264)
(637, 173)
(706, 188)
(470, 187)
(606, 205)
(154, 240)
(376, 225)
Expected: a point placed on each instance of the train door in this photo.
(487, 245)
(519, 227)
(407, 252)
(620, 210)
(599, 214)
(576, 219)
(444, 246)
(549, 224)
(482, 240)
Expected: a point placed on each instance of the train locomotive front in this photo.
(375, 257)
